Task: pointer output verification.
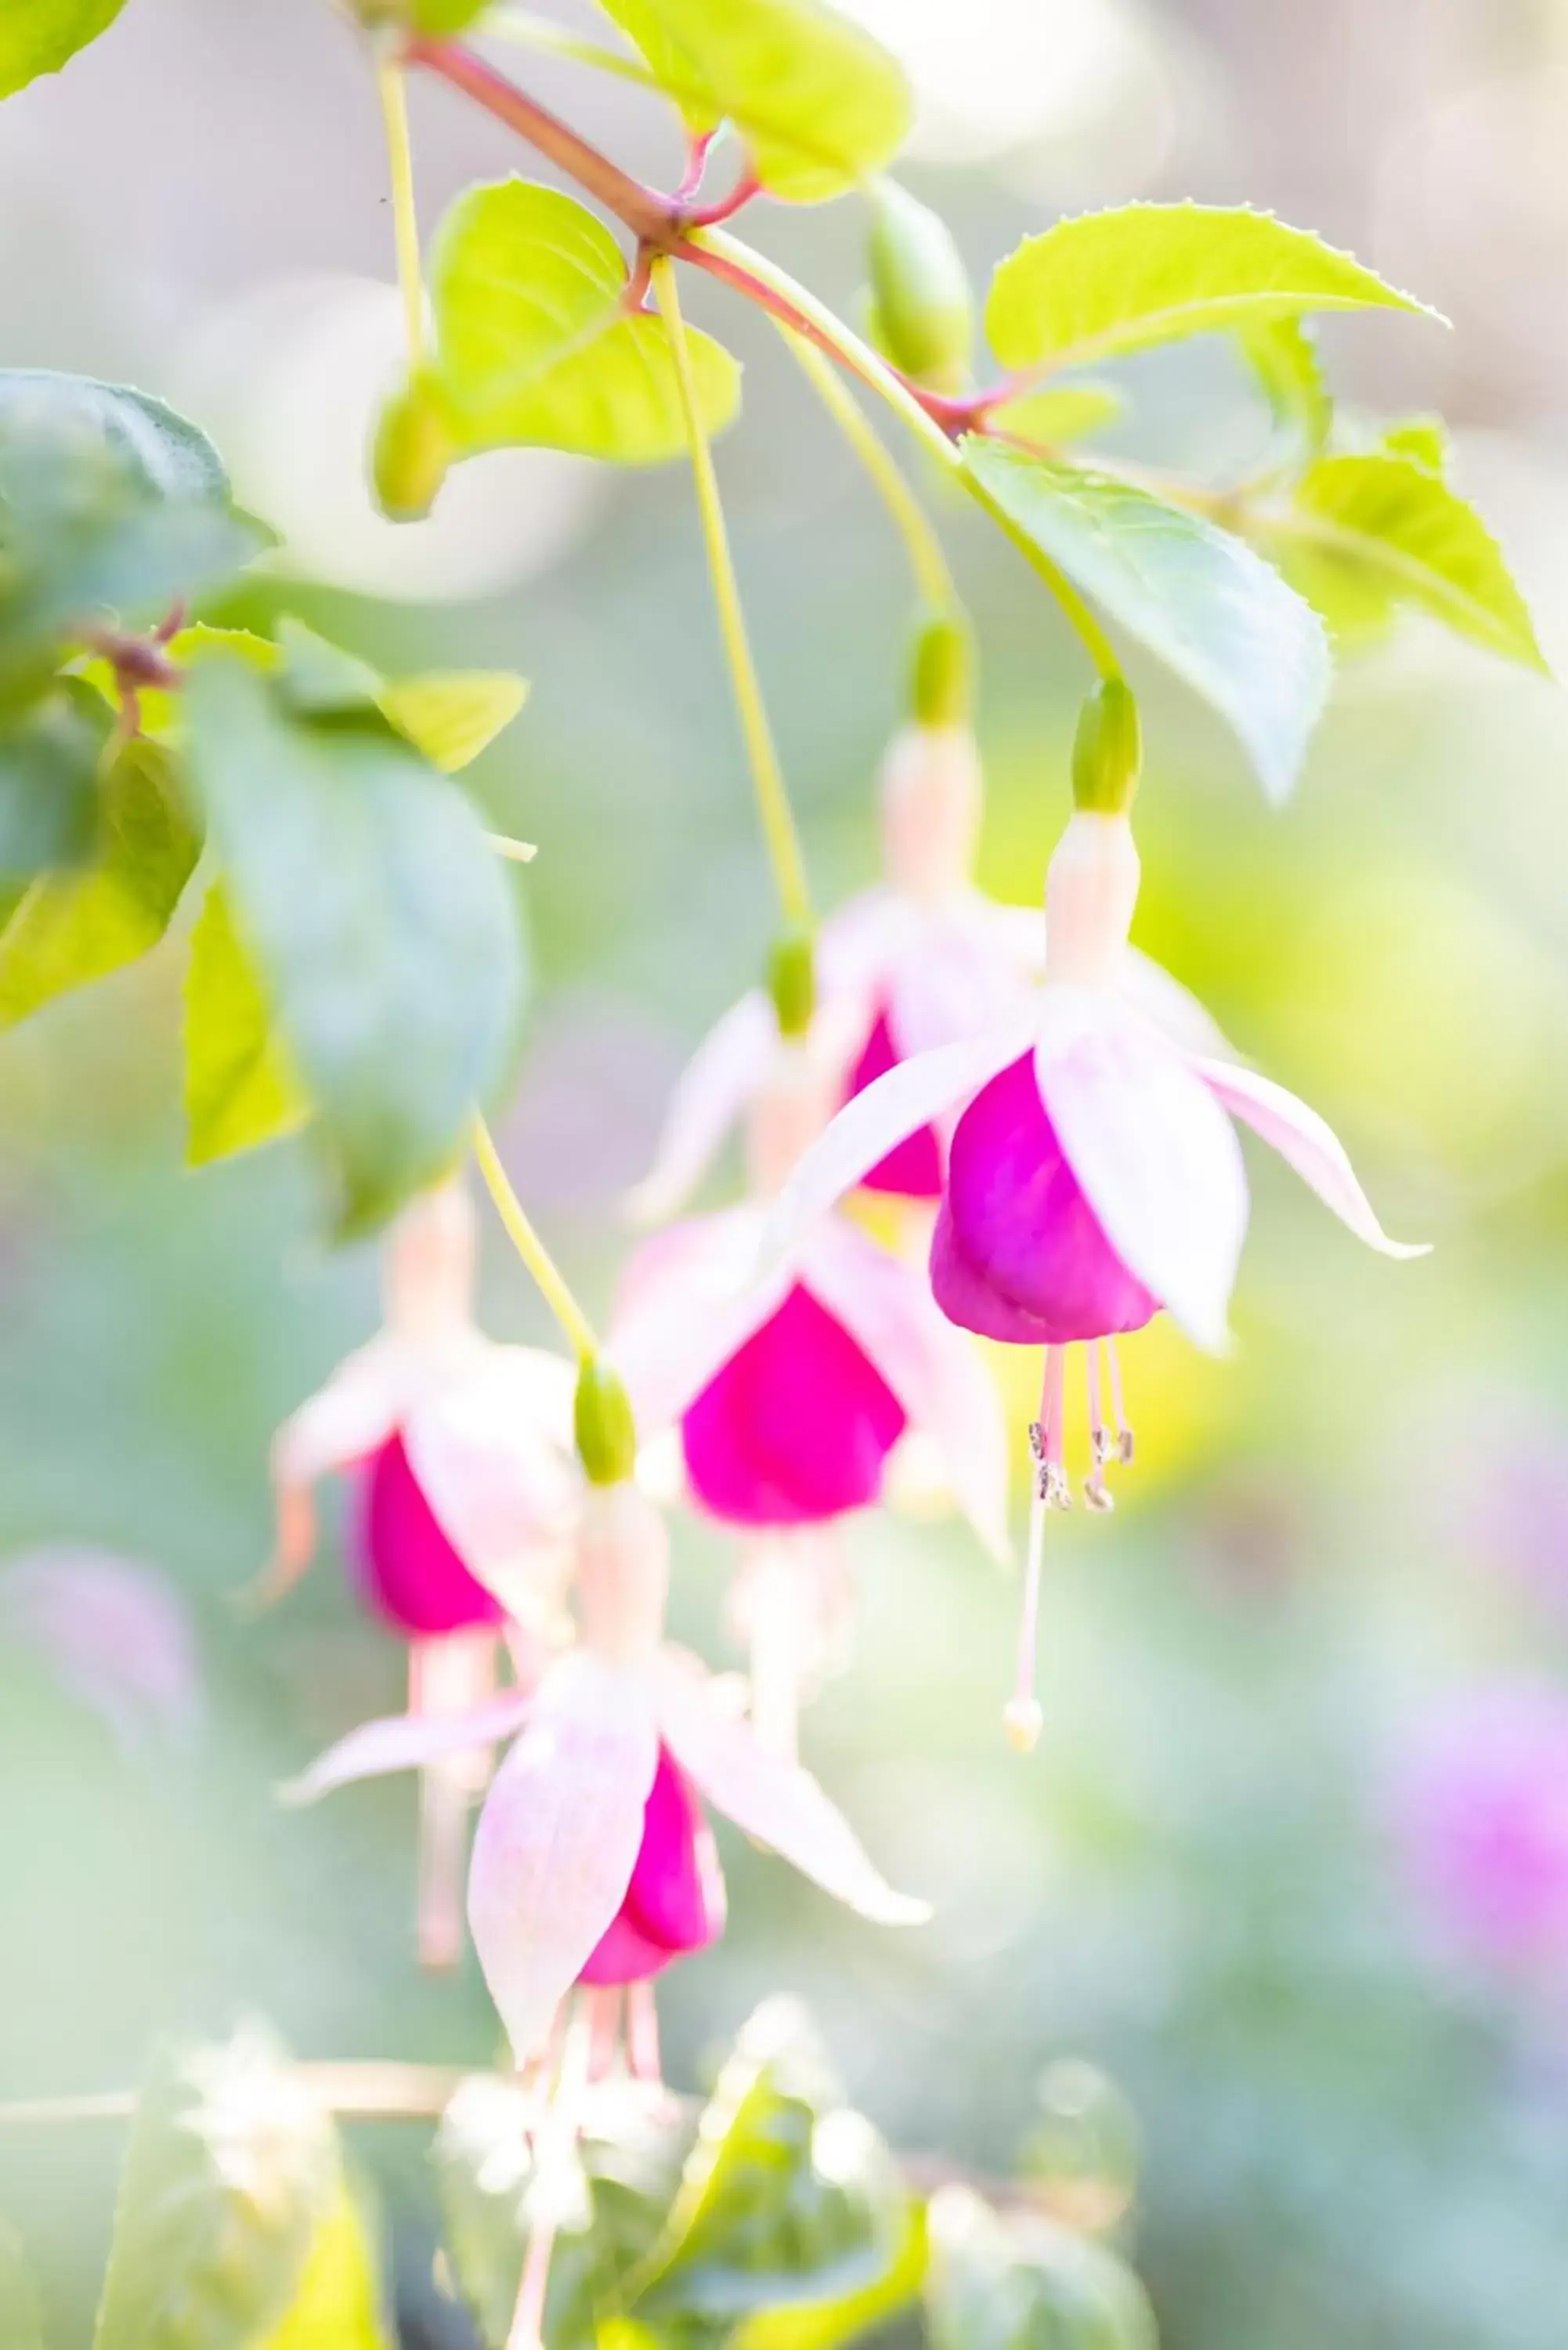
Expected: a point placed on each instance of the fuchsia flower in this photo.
(461, 1449)
(591, 1865)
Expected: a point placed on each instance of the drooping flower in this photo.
(465, 1496)
(590, 1864)
(1094, 1178)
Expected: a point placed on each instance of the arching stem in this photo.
(551, 1282)
(393, 89)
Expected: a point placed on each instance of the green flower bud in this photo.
(922, 308)
(603, 1423)
(411, 454)
(1107, 751)
(791, 980)
(942, 690)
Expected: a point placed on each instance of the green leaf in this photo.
(161, 712)
(39, 36)
(1024, 2286)
(161, 452)
(609, 2206)
(381, 925)
(231, 2168)
(241, 1085)
(451, 715)
(21, 2311)
(70, 928)
(1202, 601)
(819, 104)
(447, 16)
(788, 2197)
(825, 2325)
(1423, 439)
(50, 760)
(1398, 526)
(1283, 358)
(534, 342)
(1068, 412)
(338, 2304)
(1108, 282)
(922, 303)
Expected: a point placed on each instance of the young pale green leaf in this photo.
(1106, 283)
(819, 104)
(1398, 523)
(70, 928)
(451, 715)
(21, 2311)
(50, 760)
(625, 2173)
(788, 2196)
(1423, 439)
(338, 2303)
(381, 922)
(1068, 412)
(241, 1085)
(1283, 358)
(160, 451)
(535, 344)
(922, 302)
(1202, 602)
(231, 2169)
(992, 2286)
(39, 36)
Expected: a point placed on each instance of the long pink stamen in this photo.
(1118, 1410)
(1096, 1493)
(1023, 1718)
(604, 2006)
(454, 1674)
(554, 2146)
(774, 1600)
(642, 2033)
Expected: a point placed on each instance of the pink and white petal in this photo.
(932, 1366)
(1175, 1011)
(1156, 1156)
(1306, 1142)
(866, 1129)
(407, 1741)
(775, 1803)
(710, 1096)
(1015, 935)
(954, 984)
(493, 1457)
(693, 1296)
(558, 1839)
(352, 1415)
(861, 944)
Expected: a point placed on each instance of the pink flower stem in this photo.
(554, 2147)
(642, 2033)
(774, 1600)
(452, 1675)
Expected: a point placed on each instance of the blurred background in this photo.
(1291, 1862)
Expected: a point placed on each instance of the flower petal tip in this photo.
(1022, 1721)
(892, 1908)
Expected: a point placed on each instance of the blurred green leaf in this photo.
(1107, 283)
(72, 927)
(1199, 598)
(1283, 357)
(535, 344)
(338, 2305)
(161, 452)
(788, 2197)
(161, 710)
(819, 104)
(232, 2166)
(1067, 411)
(446, 16)
(21, 2311)
(843, 2317)
(319, 679)
(1416, 541)
(923, 304)
(610, 2210)
(1423, 439)
(39, 36)
(380, 921)
(241, 1085)
(451, 715)
(50, 760)
(1029, 2284)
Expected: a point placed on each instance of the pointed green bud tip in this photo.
(411, 454)
(943, 689)
(603, 1424)
(792, 978)
(1107, 753)
(919, 290)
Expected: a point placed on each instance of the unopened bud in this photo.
(924, 310)
(1107, 751)
(602, 1421)
(943, 683)
(411, 454)
(792, 978)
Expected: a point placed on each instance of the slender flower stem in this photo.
(392, 88)
(927, 560)
(773, 795)
(551, 1282)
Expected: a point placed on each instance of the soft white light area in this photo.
(995, 75)
(287, 379)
